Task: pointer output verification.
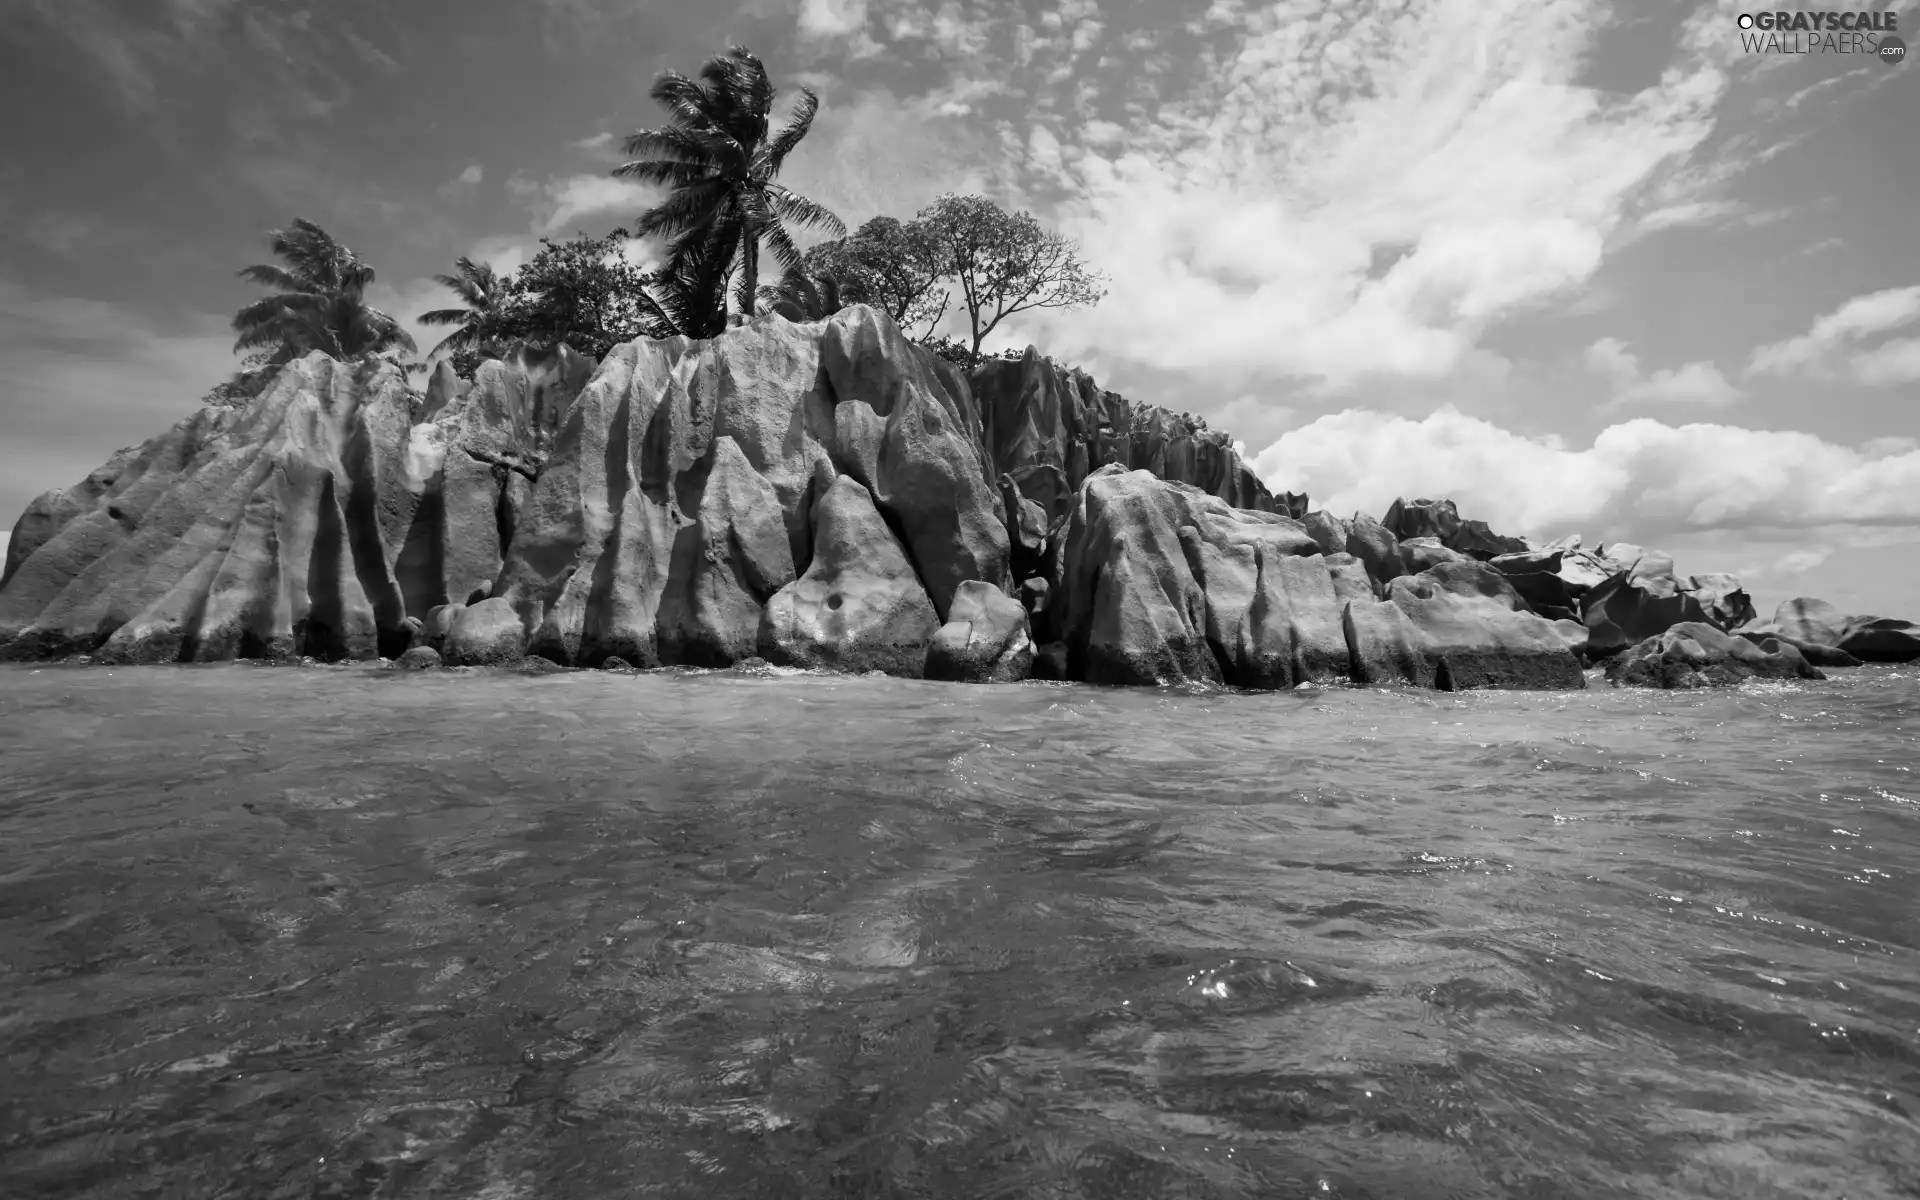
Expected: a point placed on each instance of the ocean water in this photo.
(345, 932)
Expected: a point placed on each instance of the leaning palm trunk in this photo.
(719, 158)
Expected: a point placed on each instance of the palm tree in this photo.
(719, 155)
(478, 324)
(318, 301)
(800, 296)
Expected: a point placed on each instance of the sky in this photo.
(1584, 267)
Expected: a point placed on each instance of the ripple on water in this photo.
(341, 932)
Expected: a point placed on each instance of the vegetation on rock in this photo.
(720, 155)
(318, 301)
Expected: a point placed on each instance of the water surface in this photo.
(342, 932)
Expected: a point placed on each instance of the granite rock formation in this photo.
(1049, 427)
(985, 639)
(826, 495)
(1829, 637)
(1165, 583)
(1694, 654)
(652, 508)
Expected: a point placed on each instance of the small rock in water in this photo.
(533, 664)
(614, 662)
(419, 658)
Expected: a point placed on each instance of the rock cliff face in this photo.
(1049, 427)
(825, 495)
(659, 512)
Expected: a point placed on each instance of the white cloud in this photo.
(832, 18)
(1835, 348)
(1249, 211)
(463, 183)
(604, 146)
(1697, 383)
(562, 206)
(1641, 479)
(85, 377)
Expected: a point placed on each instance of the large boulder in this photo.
(1831, 638)
(1762, 632)
(1437, 519)
(487, 634)
(1376, 546)
(859, 606)
(1328, 532)
(1165, 584)
(1384, 646)
(1536, 576)
(1695, 654)
(985, 639)
(1441, 521)
(1881, 640)
(1424, 553)
(1628, 609)
(1479, 540)
(1806, 619)
(1478, 633)
(1725, 602)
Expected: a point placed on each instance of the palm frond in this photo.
(686, 102)
(798, 123)
(667, 172)
(278, 278)
(795, 209)
(683, 210)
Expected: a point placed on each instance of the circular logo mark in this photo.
(1892, 50)
(1745, 21)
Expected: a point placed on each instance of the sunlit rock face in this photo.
(827, 495)
(1694, 654)
(1050, 426)
(650, 506)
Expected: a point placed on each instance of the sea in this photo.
(344, 931)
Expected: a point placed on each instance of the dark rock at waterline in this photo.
(616, 664)
(1164, 583)
(1479, 634)
(1626, 610)
(1384, 646)
(985, 638)
(487, 634)
(1815, 653)
(418, 658)
(1806, 619)
(859, 606)
(1881, 640)
(1695, 654)
(1829, 637)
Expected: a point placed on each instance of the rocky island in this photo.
(826, 494)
